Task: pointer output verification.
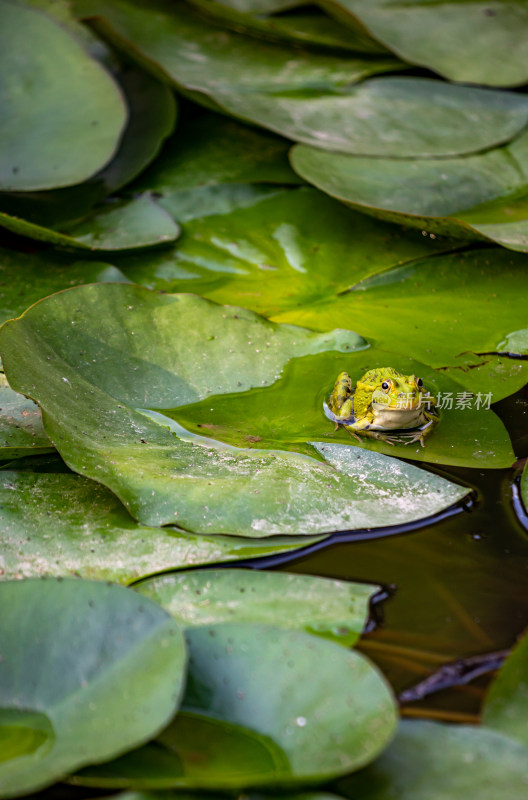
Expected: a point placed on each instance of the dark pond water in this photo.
(456, 588)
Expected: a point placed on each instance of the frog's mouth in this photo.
(402, 403)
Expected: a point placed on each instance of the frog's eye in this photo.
(385, 386)
(419, 383)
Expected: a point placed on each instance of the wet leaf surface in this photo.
(99, 365)
(337, 610)
(88, 670)
(505, 705)
(291, 729)
(21, 430)
(63, 525)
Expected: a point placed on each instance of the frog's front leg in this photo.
(420, 434)
(363, 427)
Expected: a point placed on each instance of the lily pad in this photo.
(505, 707)
(294, 729)
(211, 150)
(334, 609)
(286, 415)
(120, 225)
(21, 430)
(436, 309)
(64, 525)
(48, 137)
(451, 762)
(88, 671)
(281, 252)
(106, 353)
(179, 44)
(27, 277)
(474, 197)
(152, 114)
(435, 35)
(312, 28)
(391, 116)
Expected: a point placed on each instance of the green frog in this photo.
(383, 400)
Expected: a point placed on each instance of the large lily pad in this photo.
(388, 116)
(334, 609)
(506, 705)
(88, 670)
(474, 197)
(279, 253)
(27, 277)
(120, 225)
(291, 728)
(61, 525)
(21, 431)
(434, 310)
(48, 137)
(105, 353)
(451, 762)
(312, 27)
(435, 35)
(170, 38)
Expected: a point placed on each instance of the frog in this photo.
(384, 400)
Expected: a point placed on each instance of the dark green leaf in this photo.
(506, 705)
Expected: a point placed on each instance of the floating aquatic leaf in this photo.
(472, 197)
(506, 704)
(433, 310)
(250, 730)
(105, 354)
(334, 609)
(280, 252)
(120, 225)
(427, 759)
(88, 670)
(435, 35)
(21, 431)
(48, 138)
(62, 524)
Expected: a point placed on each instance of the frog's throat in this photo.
(398, 404)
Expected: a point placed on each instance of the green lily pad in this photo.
(27, 277)
(120, 225)
(436, 308)
(506, 704)
(62, 525)
(451, 762)
(48, 137)
(105, 354)
(291, 728)
(177, 43)
(334, 609)
(312, 28)
(473, 197)
(407, 117)
(211, 150)
(88, 671)
(524, 486)
(152, 114)
(281, 252)
(435, 35)
(286, 416)
(21, 430)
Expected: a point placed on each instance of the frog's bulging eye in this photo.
(385, 386)
(419, 383)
